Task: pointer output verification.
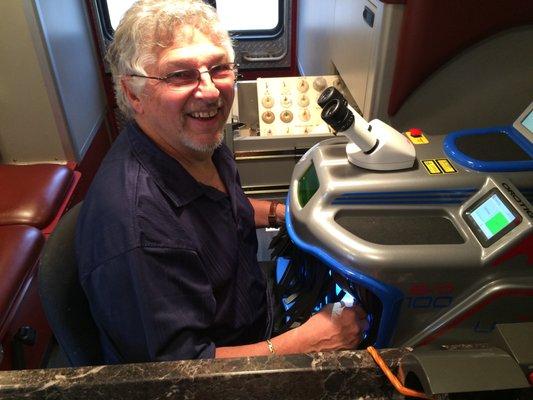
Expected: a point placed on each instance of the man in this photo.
(166, 239)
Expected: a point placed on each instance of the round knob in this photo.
(319, 83)
(267, 101)
(302, 85)
(304, 115)
(286, 116)
(286, 101)
(303, 100)
(268, 117)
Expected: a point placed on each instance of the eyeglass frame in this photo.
(198, 78)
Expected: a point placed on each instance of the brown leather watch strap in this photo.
(272, 219)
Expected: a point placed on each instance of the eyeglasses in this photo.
(190, 78)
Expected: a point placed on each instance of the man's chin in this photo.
(207, 146)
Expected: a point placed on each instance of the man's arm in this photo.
(262, 210)
(329, 329)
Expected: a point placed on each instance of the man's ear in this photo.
(132, 97)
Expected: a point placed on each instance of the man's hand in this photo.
(335, 327)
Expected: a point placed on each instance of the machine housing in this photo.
(412, 240)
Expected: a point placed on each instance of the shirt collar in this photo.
(167, 172)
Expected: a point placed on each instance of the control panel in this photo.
(288, 106)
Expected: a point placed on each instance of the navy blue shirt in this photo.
(168, 264)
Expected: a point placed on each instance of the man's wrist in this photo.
(271, 347)
(272, 216)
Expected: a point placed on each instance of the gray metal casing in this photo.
(482, 285)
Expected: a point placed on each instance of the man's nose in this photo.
(206, 86)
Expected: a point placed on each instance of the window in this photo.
(253, 15)
(253, 18)
(260, 29)
(116, 9)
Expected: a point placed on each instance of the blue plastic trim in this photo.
(391, 297)
(412, 192)
(407, 201)
(445, 196)
(281, 266)
(489, 166)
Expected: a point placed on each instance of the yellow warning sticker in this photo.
(432, 167)
(446, 166)
(421, 139)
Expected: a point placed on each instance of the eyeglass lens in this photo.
(191, 77)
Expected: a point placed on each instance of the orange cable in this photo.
(392, 378)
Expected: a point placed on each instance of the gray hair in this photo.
(150, 26)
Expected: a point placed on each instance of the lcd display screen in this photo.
(308, 184)
(491, 217)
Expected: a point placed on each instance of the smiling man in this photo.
(166, 240)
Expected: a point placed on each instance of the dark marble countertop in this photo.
(334, 375)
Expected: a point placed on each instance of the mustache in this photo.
(202, 105)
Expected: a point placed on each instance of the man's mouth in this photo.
(204, 114)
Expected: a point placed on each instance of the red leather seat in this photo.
(20, 247)
(32, 194)
(32, 199)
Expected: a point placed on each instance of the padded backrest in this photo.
(63, 298)
(20, 246)
(32, 194)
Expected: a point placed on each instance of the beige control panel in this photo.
(287, 106)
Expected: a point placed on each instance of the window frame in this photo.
(102, 12)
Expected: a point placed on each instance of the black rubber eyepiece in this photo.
(337, 115)
(329, 94)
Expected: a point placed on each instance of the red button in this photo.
(415, 132)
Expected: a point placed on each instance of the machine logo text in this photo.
(517, 198)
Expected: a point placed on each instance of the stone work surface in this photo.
(334, 375)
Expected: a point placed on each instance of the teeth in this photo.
(204, 114)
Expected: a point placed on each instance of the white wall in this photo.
(72, 54)
(28, 130)
(315, 21)
(52, 100)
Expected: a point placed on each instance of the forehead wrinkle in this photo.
(176, 61)
(191, 47)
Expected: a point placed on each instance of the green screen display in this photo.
(308, 184)
(492, 216)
